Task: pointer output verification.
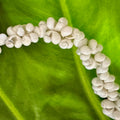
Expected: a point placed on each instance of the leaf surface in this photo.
(44, 82)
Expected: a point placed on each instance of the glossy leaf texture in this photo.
(44, 82)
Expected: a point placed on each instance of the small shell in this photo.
(65, 44)
(109, 85)
(116, 115)
(29, 27)
(47, 39)
(66, 31)
(77, 34)
(97, 82)
(10, 31)
(107, 104)
(51, 23)
(85, 50)
(115, 88)
(118, 102)
(37, 30)
(113, 99)
(97, 88)
(111, 78)
(9, 44)
(93, 44)
(108, 111)
(15, 28)
(62, 22)
(104, 76)
(99, 57)
(80, 43)
(102, 93)
(43, 29)
(11, 41)
(55, 38)
(34, 37)
(3, 38)
(84, 57)
(26, 40)
(99, 48)
(42, 23)
(100, 70)
(113, 94)
(106, 62)
(92, 64)
(86, 63)
(18, 43)
(20, 31)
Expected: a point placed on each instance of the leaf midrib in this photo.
(10, 105)
(81, 71)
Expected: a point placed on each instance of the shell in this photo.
(85, 50)
(66, 31)
(62, 22)
(3, 38)
(29, 27)
(51, 23)
(99, 57)
(92, 44)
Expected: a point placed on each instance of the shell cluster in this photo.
(90, 52)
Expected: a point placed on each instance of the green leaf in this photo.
(44, 82)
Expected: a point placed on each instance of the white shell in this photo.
(9, 44)
(55, 38)
(115, 88)
(80, 43)
(99, 57)
(102, 93)
(20, 31)
(111, 78)
(3, 38)
(18, 43)
(11, 40)
(43, 28)
(42, 23)
(84, 57)
(26, 40)
(97, 88)
(37, 30)
(116, 115)
(113, 99)
(100, 70)
(10, 31)
(77, 34)
(92, 65)
(113, 94)
(109, 85)
(29, 27)
(34, 37)
(65, 44)
(108, 111)
(51, 23)
(107, 104)
(62, 22)
(97, 82)
(47, 39)
(85, 50)
(106, 62)
(104, 76)
(118, 102)
(92, 44)
(99, 48)
(66, 31)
